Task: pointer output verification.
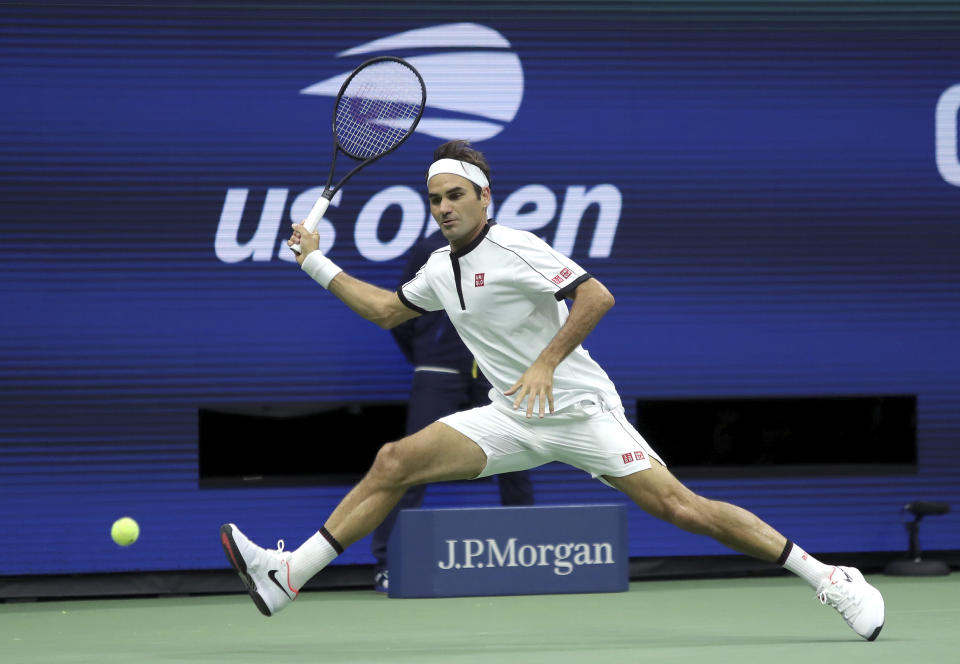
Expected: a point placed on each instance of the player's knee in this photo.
(687, 512)
(391, 465)
(388, 464)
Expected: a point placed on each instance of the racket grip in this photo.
(313, 219)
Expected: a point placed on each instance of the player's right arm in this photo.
(376, 304)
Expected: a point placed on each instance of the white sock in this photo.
(312, 556)
(804, 565)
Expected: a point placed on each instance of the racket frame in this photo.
(320, 207)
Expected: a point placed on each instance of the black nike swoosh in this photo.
(273, 577)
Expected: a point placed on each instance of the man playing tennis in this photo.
(504, 291)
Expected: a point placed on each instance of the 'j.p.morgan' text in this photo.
(563, 557)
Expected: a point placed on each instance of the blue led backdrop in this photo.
(772, 196)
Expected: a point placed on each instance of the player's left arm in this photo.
(591, 301)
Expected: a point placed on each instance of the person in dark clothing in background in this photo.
(445, 380)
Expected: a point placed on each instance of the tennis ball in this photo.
(125, 531)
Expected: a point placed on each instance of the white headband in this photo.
(462, 168)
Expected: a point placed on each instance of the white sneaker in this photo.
(860, 604)
(381, 581)
(265, 572)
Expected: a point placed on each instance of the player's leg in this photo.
(659, 493)
(603, 442)
(274, 577)
(437, 453)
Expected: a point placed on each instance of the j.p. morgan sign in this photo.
(509, 551)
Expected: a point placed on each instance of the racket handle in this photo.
(313, 219)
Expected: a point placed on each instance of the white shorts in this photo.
(586, 435)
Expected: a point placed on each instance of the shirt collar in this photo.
(475, 242)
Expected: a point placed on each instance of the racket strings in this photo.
(378, 109)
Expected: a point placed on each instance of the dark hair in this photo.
(461, 151)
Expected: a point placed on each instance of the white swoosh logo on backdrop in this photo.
(480, 91)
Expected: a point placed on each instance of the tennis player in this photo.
(445, 380)
(504, 291)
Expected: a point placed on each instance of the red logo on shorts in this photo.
(478, 279)
(630, 457)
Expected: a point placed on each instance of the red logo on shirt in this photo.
(478, 279)
(628, 457)
(562, 276)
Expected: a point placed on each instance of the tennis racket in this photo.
(377, 109)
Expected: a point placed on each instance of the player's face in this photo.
(455, 206)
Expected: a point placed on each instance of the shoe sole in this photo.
(240, 567)
(876, 633)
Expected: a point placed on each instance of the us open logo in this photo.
(475, 86)
(455, 79)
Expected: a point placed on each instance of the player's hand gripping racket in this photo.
(377, 109)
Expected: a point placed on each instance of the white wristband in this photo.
(320, 268)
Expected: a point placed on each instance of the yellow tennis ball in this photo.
(125, 531)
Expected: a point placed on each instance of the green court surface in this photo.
(715, 621)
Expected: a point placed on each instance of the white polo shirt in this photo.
(504, 294)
